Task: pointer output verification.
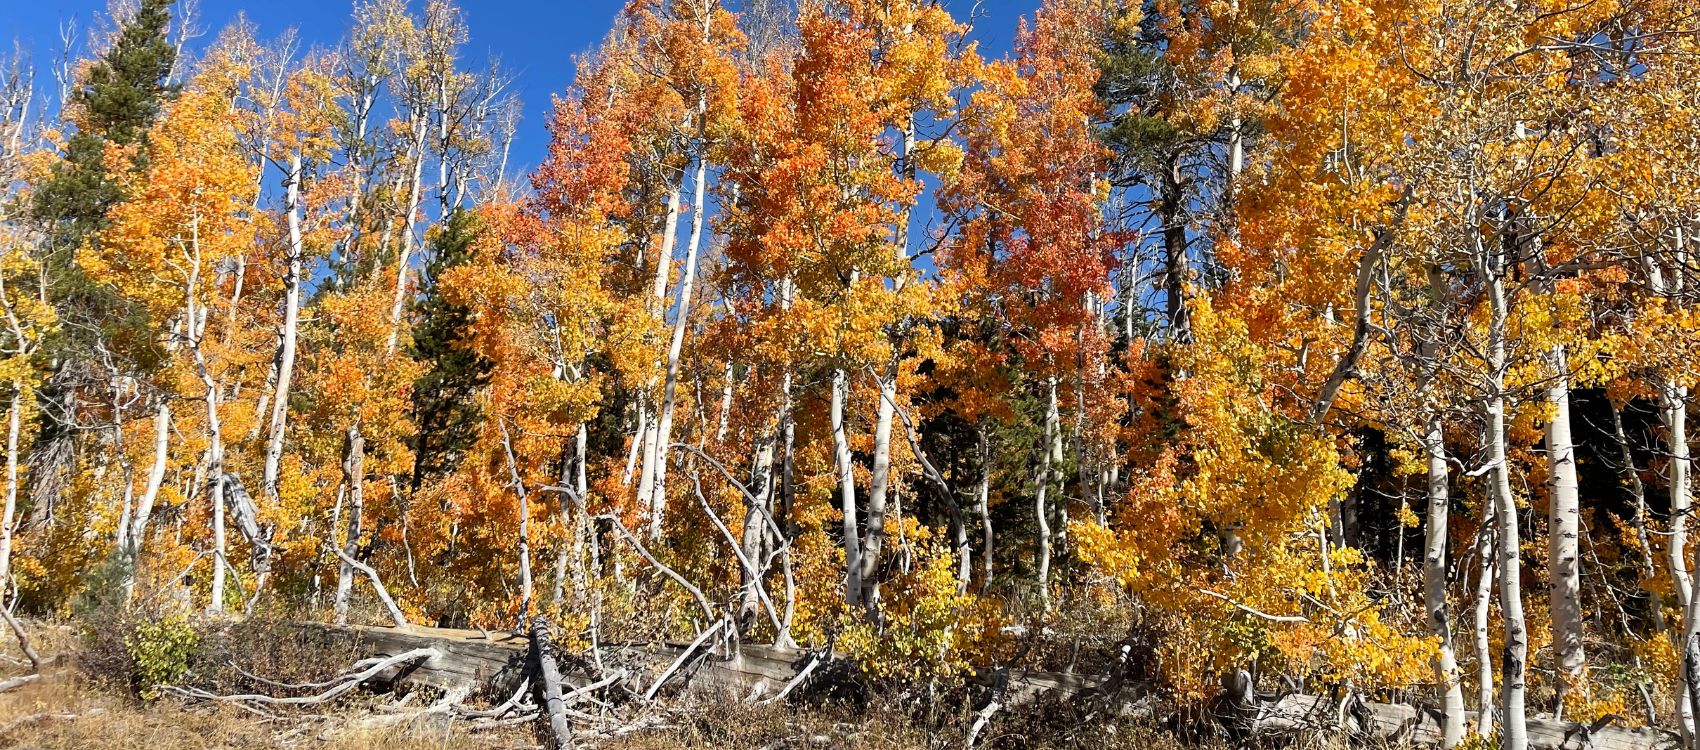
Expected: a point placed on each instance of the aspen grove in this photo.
(1334, 344)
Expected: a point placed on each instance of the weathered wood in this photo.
(549, 682)
(496, 663)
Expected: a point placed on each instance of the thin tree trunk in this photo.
(759, 503)
(137, 535)
(1171, 204)
(1486, 703)
(879, 484)
(524, 542)
(215, 470)
(1638, 490)
(286, 343)
(1434, 585)
(409, 222)
(8, 516)
(983, 507)
(726, 402)
(1041, 506)
(1563, 534)
(1673, 402)
(1514, 666)
(681, 319)
(846, 491)
(354, 474)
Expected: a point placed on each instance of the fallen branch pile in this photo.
(621, 689)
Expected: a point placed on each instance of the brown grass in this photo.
(86, 709)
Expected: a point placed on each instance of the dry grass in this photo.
(111, 722)
(67, 710)
(81, 709)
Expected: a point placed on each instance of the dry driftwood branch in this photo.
(29, 653)
(1000, 693)
(23, 639)
(689, 651)
(345, 685)
(396, 616)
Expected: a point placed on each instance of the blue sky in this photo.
(537, 39)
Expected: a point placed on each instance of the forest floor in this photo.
(67, 712)
(68, 708)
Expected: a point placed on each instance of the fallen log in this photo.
(496, 664)
(549, 682)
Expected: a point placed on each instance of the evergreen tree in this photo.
(444, 407)
(119, 98)
(116, 104)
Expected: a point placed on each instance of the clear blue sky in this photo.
(537, 39)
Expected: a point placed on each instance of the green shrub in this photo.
(160, 651)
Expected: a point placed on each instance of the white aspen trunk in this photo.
(725, 403)
(846, 491)
(524, 511)
(879, 484)
(291, 323)
(196, 327)
(755, 529)
(1514, 666)
(409, 223)
(8, 516)
(643, 443)
(1673, 403)
(1563, 533)
(664, 259)
(1434, 586)
(983, 507)
(1485, 700)
(1041, 506)
(137, 535)
(215, 469)
(569, 546)
(354, 475)
(681, 320)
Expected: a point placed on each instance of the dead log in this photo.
(549, 683)
(497, 664)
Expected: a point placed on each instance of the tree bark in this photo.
(846, 491)
(410, 223)
(681, 320)
(1485, 700)
(983, 507)
(137, 535)
(1563, 534)
(8, 516)
(1673, 402)
(287, 337)
(524, 541)
(1041, 504)
(879, 483)
(1434, 585)
(1514, 666)
(354, 475)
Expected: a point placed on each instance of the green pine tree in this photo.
(444, 407)
(117, 101)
